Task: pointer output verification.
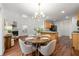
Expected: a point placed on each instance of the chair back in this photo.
(51, 46)
(22, 45)
(26, 48)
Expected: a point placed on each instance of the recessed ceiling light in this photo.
(24, 16)
(62, 12)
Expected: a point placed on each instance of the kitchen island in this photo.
(53, 34)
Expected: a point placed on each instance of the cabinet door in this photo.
(7, 42)
(75, 37)
(53, 36)
(77, 17)
(47, 24)
(78, 42)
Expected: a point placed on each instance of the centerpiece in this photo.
(38, 31)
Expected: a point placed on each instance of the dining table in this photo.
(37, 41)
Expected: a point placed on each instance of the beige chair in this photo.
(26, 49)
(48, 49)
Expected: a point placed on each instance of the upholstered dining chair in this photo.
(48, 49)
(26, 49)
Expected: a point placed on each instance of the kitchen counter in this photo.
(53, 35)
(75, 32)
(50, 31)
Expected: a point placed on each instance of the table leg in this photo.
(37, 52)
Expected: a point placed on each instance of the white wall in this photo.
(10, 16)
(66, 27)
(1, 31)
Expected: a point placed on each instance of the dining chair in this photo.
(48, 49)
(26, 49)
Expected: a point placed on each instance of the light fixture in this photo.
(39, 14)
(68, 17)
(24, 16)
(8, 27)
(62, 11)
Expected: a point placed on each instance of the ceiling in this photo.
(51, 10)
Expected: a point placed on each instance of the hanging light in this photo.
(39, 14)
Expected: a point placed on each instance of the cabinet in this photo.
(75, 40)
(7, 39)
(77, 17)
(47, 24)
(53, 35)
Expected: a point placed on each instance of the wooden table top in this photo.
(38, 41)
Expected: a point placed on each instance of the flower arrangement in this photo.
(38, 30)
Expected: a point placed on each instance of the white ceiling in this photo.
(51, 10)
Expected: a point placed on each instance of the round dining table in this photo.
(37, 42)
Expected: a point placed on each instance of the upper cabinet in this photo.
(77, 14)
(77, 17)
(77, 20)
(47, 24)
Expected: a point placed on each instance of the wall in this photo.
(66, 27)
(10, 16)
(1, 31)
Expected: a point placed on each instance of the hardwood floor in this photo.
(63, 48)
(14, 51)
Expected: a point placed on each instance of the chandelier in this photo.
(39, 14)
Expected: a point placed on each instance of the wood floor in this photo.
(14, 51)
(63, 48)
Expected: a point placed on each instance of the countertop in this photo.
(75, 32)
(49, 31)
